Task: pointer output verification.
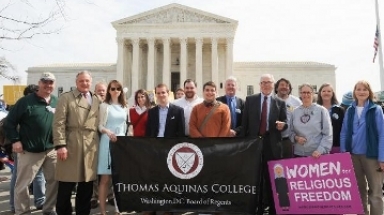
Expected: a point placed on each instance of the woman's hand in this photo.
(316, 154)
(111, 135)
(300, 140)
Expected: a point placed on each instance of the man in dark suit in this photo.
(265, 117)
(165, 120)
(235, 104)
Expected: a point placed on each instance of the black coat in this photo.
(174, 126)
(337, 116)
(252, 117)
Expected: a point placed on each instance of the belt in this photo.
(264, 135)
(285, 138)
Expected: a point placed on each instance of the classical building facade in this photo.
(172, 43)
(175, 42)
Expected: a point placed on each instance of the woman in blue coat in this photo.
(362, 135)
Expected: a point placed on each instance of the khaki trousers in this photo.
(366, 171)
(28, 164)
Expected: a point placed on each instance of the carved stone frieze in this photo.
(174, 15)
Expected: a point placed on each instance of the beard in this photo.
(189, 95)
(284, 92)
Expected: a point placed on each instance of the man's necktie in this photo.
(85, 96)
(263, 121)
(232, 108)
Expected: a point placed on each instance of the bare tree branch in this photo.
(13, 27)
(5, 68)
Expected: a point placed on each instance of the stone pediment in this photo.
(174, 13)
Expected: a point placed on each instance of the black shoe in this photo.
(39, 207)
(111, 201)
(50, 213)
(94, 203)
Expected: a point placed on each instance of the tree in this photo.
(6, 68)
(22, 19)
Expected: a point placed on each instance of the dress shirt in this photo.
(163, 112)
(88, 97)
(231, 102)
(268, 106)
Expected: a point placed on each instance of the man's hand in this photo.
(17, 147)
(382, 166)
(280, 125)
(232, 133)
(62, 153)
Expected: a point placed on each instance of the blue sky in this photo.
(334, 32)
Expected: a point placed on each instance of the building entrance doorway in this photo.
(175, 81)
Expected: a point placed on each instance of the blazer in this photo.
(252, 117)
(174, 126)
(239, 111)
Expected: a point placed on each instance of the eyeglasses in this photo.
(306, 93)
(115, 89)
(266, 82)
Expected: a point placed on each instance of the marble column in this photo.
(229, 58)
(199, 61)
(120, 59)
(135, 65)
(183, 60)
(151, 64)
(166, 62)
(215, 61)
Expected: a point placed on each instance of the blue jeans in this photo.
(38, 187)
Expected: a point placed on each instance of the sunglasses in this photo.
(115, 89)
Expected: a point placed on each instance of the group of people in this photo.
(67, 138)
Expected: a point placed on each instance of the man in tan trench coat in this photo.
(76, 139)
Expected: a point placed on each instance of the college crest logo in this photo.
(185, 160)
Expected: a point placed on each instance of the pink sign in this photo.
(326, 185)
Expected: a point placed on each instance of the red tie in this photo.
(263, 121)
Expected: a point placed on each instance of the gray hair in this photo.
(306, 85)
(231, 78)
(101, 82)
(267, 76)
(84, 72)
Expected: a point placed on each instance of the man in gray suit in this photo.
(265, 117)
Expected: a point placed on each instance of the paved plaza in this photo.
(4, 199)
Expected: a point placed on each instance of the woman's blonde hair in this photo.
(367, 86)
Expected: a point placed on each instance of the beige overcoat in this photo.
(75, 127)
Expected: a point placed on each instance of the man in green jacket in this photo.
(33, 143)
